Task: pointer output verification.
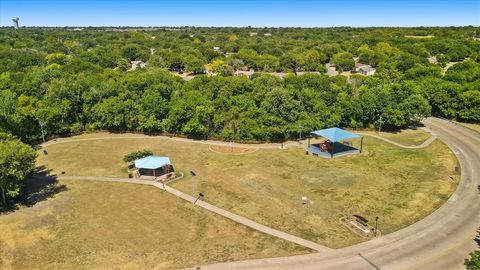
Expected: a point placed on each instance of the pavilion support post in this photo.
(361, 144)
(333, 149)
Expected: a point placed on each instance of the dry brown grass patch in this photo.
(232, 150)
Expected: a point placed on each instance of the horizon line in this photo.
(230, 26)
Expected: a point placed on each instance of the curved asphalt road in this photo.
(442, 240)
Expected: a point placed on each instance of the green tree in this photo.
(221, 68)
(415, 108)
(473, 263)
(343, 61)
(470, 106)
(132, 156)
(134, 52)
(17, 161)
(56, 58)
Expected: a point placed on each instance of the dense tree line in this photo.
(74, 81)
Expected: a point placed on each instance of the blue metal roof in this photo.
(335, 134)
(152, 162)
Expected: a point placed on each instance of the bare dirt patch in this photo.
(232, 150)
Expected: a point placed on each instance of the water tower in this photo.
(15, 22)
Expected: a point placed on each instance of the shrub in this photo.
(130, 157)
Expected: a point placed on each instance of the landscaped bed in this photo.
(399, 185)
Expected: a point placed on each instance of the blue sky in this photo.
(303, 13)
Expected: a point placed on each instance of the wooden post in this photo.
(309, 140)
(361, 144)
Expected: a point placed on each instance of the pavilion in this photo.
(335, 144)
(153, 166)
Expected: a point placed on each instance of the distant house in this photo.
(477, 38)
(247, 73)
(253, 34)
(363, 69)
(268, 34)
(216, 49)
(78, 29)
(137, 64)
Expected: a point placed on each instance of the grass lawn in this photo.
(475, 127)
(125, 226)
(400, 186)
(406, 137)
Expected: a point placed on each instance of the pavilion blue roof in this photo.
(335, 134)
(152, 162)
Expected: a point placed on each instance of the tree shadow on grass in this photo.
(38, 187)
(477, 238)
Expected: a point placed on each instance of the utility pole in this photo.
(41, 128)
(163, 122)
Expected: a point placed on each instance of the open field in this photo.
(400, 186)
(124, 226)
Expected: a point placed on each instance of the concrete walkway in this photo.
(239, 219)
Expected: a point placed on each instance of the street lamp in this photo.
(193, 174)
(199, 195)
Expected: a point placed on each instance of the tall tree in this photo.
(17, 160)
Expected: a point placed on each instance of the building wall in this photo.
(158, 172)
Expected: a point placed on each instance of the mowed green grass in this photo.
(97, 225)
(400, 186)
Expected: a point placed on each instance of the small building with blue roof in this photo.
(337, 143)
(153, 166)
